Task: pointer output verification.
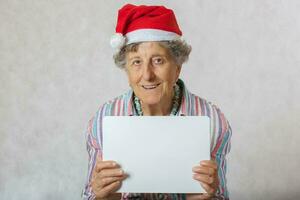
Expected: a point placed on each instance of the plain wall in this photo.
(56, 69)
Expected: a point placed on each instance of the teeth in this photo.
(148, 87)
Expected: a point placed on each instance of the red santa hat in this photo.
(144, 23)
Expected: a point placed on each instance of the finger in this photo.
(100, 165)
(209, 189)
(209, 163)
(109, 180)
(98, 184)
(205, 196)
(204, 178)
(204, 170)
(109, 189)
(111, 173)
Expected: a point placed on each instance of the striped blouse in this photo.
(191, 105)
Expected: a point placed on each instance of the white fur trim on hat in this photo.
(143, 35)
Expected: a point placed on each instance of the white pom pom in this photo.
(117, 41)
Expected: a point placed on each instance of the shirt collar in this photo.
(184, 100)
(129, 109)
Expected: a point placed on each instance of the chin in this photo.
(150, 100)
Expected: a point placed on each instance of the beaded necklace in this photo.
(175, 106)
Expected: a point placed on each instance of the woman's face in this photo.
(152, 73)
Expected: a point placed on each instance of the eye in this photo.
(136, 62)
(158, 61)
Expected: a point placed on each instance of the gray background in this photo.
(56, 70)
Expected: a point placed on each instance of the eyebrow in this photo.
(154, 55)
(161, 55)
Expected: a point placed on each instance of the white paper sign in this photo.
(157, 152)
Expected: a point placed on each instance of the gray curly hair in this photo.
(178, 49)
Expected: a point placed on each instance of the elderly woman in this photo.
(149, 48)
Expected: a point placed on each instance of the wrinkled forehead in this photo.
(149, 48)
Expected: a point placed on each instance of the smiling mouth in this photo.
(150, 87)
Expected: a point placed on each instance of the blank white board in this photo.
(157, 152)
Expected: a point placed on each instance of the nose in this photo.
(148, 73)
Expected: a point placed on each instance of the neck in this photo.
(161, 109)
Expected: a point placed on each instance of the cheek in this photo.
(170, 77)
(133, 78)
(167, 89)
(169, 81)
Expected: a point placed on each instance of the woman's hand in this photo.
(206, 173)
(106, 179)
